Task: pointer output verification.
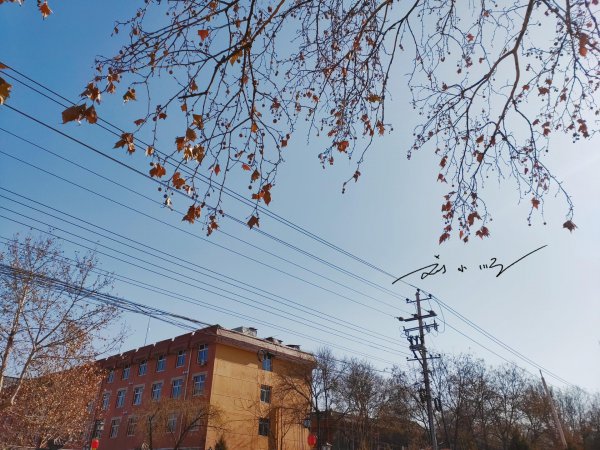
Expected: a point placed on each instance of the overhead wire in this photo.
(179, 260)
(227, 190)
(137, 171)
(362, 339)
(230, 193)
(508, 348)
(254, 302)
(191, 234)
(196, 236)
(191, 300)
(312, 235)
(445, 323)
(143, 174)
(100, 297)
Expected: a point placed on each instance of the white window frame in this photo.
(126, 372)
(267, 362)
(196, 392)
(138, 393)
(161, 363)
(172, 422)
(114, 428)
(202, 354)
(132, 422)
(119, 399)
(195, 427)
(180, 361)
(152, 390)
(105, 401)
(144, 364)
(180, 387)
(98, 429)
(265, 393)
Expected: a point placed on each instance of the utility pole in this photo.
(559, 429)
(417, 346)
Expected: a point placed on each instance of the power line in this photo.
(560, 379)
(267, 212)
(99, 152)
(130, 208)
(234, 195)
(228, 191)
(499, 342)
(140, 308)
(434, 298)
(157, 270)
(100, 297)
(150, 199)
(161, 269)
(191, 300)
(179, 260)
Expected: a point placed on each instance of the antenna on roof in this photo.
(147, 329)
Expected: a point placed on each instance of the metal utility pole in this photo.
(417, 346)
(559, 429)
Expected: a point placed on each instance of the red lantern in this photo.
(95, 444)
(312, 440)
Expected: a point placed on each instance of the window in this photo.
(114, 427)
(161, 363)
(267, 362)
(196, 425)
(265, 394)
(131, 425)
(156, 390)
(120, 398)
(172, 423)
(264, 426)
(98, 429)
(137, 395)
(199, 384)
(176, 388)
(111, 376)
(143, 367)
(105, 400)
(125, 373)
(202, 354)
(180, 358)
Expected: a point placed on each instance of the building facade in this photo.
(203, 389)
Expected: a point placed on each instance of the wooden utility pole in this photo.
(417, 346)
(557, 423)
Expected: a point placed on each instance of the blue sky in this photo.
(546, 306)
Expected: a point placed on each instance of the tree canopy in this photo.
(490, 83)
(51, 331)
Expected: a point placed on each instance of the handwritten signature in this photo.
(435, 268)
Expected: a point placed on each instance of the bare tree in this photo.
(483, 407)
(51, 409)
(365, 394)
(48, 322)
(490, 84)
(319, 386)
(406, 408)
(537, 424)
(175, 421)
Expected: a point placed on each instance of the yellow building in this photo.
(256, 390)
